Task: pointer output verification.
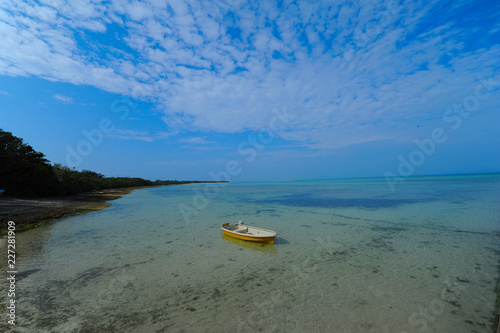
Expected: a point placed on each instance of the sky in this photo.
(257, 90)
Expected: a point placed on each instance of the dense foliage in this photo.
(25, 172)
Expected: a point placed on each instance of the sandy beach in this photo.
(31, 213)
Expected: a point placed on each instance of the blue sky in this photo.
(271, 90)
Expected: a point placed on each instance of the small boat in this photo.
(246, 232)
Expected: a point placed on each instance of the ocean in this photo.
(351, 256)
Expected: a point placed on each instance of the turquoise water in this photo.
(351, 256)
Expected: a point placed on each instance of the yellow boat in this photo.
(246, 232)
(263, 248)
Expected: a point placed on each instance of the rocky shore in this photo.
(32, 213)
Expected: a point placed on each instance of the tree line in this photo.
(25, 172)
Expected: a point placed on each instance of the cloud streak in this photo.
(145, 136)
(64, 99)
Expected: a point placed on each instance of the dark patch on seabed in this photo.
(271, 212)
(54, 301)
(27, 273)
(387, 229)
(306, 200)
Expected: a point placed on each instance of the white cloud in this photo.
(131, 135)
(351, 73)
(64, 99)
(196, 140)
(146, 136)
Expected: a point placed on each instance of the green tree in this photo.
(23, 171)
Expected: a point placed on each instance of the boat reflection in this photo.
(261, 247)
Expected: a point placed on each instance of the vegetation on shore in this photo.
(25, 172)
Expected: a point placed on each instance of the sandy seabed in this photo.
(131, 268)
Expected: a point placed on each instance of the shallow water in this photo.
(351, 256)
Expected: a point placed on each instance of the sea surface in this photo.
(351, 256)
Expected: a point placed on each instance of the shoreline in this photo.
(33, 213)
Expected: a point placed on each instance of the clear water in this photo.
(351, 256)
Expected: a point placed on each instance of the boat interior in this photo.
(236, 228)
